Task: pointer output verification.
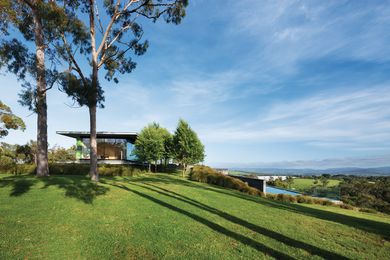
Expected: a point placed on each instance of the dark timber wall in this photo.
(255, 183)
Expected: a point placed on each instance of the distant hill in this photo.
(379, 171)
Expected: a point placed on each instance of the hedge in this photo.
(77, 169)
(208, 175)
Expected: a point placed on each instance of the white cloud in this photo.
(289, 32)
(348, 119)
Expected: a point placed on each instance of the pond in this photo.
(275, 190)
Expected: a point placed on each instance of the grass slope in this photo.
(162, 216)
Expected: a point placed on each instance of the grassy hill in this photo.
(164, 216)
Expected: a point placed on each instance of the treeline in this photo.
(366, 192)
(156, 145)
(16, 159)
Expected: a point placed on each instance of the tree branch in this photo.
(71, 56)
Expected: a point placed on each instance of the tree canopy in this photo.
(188, 148)
(8, 120)
(149, 146)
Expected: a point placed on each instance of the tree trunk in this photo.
(93, 172)
(42, 158)
(149, 167)
(92, 98)
(155, 166)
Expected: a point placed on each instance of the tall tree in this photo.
(188, 148)
(149, 145)
(33, 20)
(9, 120)
(113, 35)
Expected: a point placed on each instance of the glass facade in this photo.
(107, 149)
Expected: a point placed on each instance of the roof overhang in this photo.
(100, 135)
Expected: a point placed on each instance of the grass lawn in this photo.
(302, 184)
(164, 216)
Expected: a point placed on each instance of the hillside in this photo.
(162, 216)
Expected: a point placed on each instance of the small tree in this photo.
(149, 146)
(188, 148)
(290, 181)
(324, 181)
(8, 120)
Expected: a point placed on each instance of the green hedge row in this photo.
(208, 175)
(211, 176)
(300, 199)
(76, 169)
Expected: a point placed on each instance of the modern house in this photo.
(112, 147)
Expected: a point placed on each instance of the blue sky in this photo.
(264, 83)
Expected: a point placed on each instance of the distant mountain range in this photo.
(378, 171)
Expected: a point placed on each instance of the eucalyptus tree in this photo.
(115, 37)
(30, 20)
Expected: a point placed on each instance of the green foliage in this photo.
(367, 192)
(60, 154)
(83, 169)
(324, 180)
(278, 182)
(289, 181)
(208, 175)
(188, 148)
(14, 157)
(8, 120)
(149, 145)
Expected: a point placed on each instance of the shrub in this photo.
(286, 198)
(208, 175)
(345, 206)
(83, 169)
(367, 210)
(270, 196)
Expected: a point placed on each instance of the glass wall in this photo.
(107, 149)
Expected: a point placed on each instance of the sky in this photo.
(263, 83)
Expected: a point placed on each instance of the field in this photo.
(302, 184)
(164, 216)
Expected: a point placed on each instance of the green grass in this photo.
(302, 184)
(163, 216)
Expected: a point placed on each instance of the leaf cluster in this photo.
(8, 120)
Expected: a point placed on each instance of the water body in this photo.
(275, 190)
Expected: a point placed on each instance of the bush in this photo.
(208, 175)
(345, 206)
(271, 196)
(83, 169)
(368, 210)
(304, 199)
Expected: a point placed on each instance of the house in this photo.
(112, 147)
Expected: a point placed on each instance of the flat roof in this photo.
(100, 134)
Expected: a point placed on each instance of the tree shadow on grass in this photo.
(218, 228)
(81, 189)
(77, 187)
(19, 185)
(371, 226)
(260, 230)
